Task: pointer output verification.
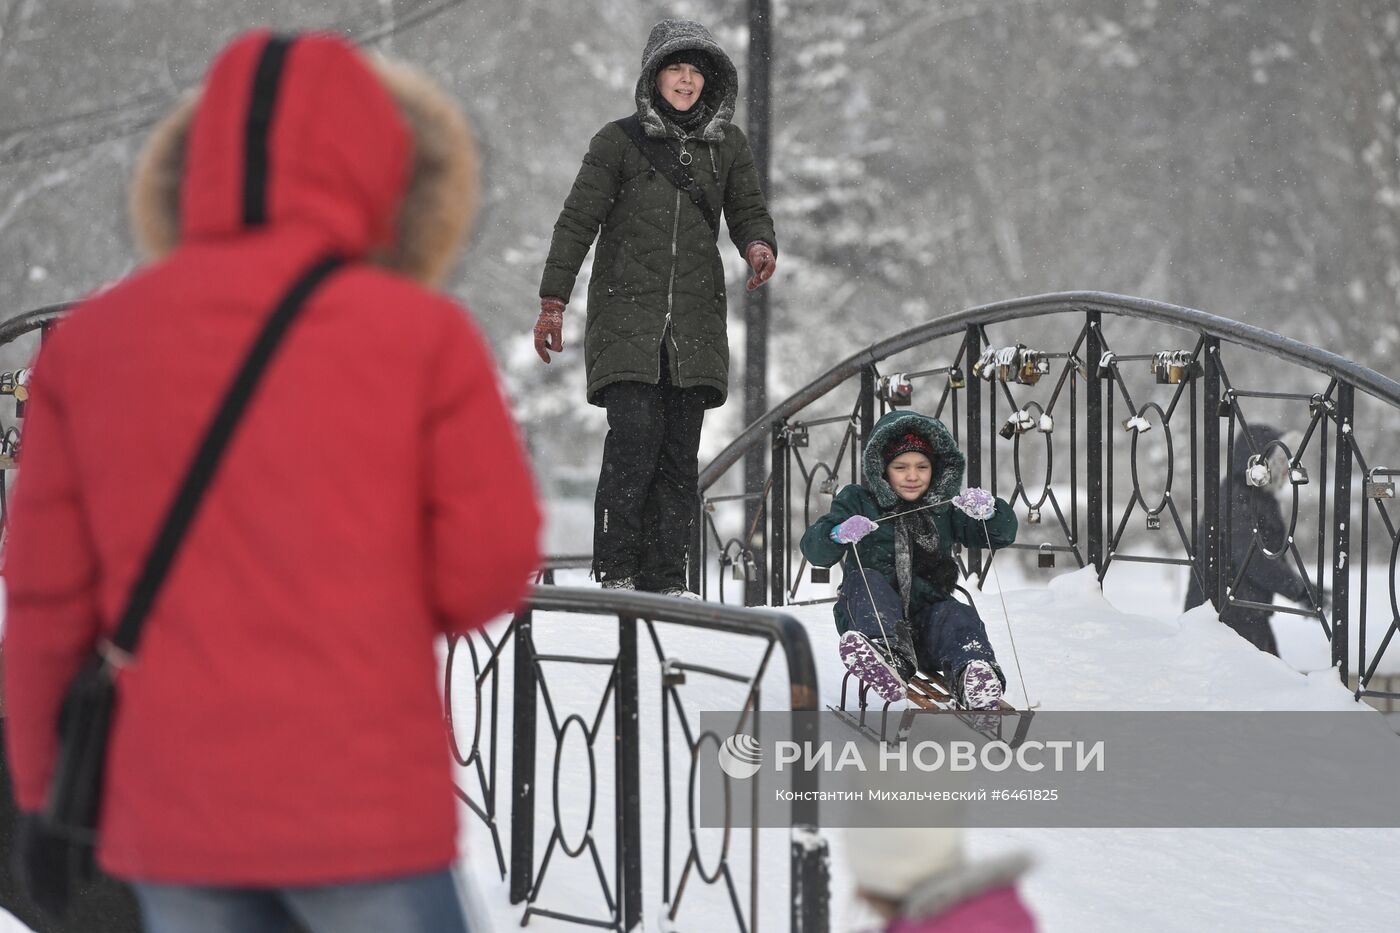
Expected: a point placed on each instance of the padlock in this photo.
(1298, 475)
(896, 389)
(828, 486)
(1046, 557)
(1379, 489)
(745, 570)
(1032, 516)
(956, 379)
(1172, 367)
(820, 575)
(1256, 472)
(1046, 425)
(1106, 364)
(1154, 521)
(1033, 366)
(672, 674)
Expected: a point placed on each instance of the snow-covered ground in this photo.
(1078, 651)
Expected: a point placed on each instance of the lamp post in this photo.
(756, 301)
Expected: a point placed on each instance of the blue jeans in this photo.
(946, 635)
(428, 903)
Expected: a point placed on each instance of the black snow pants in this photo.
(648, 496)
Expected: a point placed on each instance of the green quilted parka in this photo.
(657, 272)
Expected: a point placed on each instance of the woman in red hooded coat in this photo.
(279, 744)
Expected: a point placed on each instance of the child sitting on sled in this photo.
(893, 535)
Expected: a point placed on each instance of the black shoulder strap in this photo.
(211, 449)
(660, 155)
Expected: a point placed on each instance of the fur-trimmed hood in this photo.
(673, 35)
(397, 183)
(948, 460)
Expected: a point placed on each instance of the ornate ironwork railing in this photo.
(541, 670)
(1109, 422)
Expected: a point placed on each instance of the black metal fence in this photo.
(620, 739)
(1109, 423)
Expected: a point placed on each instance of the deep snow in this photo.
(1078, 651)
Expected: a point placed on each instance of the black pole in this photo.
(972, 352)
(756, 301)
(1213, 551)
(522, 810)
(1093, 436)
(778, 517)
(1341, 535)
(629, 784)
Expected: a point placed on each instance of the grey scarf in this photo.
(910, 531)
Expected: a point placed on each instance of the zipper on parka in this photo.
(671, 294)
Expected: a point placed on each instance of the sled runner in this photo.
(926, 692)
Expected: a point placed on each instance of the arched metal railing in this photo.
(1070, 379)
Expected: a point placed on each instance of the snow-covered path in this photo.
(1079, 652)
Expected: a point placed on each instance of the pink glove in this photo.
(549, 329)
(762, 261)
(852, 529)
(976, 503)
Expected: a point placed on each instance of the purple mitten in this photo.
(976, 503)
(852, 529)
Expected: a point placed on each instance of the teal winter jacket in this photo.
(935, 574)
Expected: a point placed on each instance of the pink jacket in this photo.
(996, 911)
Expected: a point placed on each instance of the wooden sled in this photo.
(930, 693)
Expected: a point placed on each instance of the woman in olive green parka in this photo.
(655, 344)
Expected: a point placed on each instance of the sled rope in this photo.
(1006, 614)
(866, 580)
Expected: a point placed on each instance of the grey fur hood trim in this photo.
(947, 888)
(948, 464)
(672, 35)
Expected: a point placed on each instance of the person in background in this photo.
(893, 535)
(1255, 514)
(919, 880)
(655, 346)
(278, 750)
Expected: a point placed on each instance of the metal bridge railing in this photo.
(617, 731)
(1108, 422)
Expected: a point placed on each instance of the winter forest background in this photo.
(1236, 157)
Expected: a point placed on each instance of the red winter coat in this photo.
(282, 723)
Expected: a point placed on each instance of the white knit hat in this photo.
(891, 862)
